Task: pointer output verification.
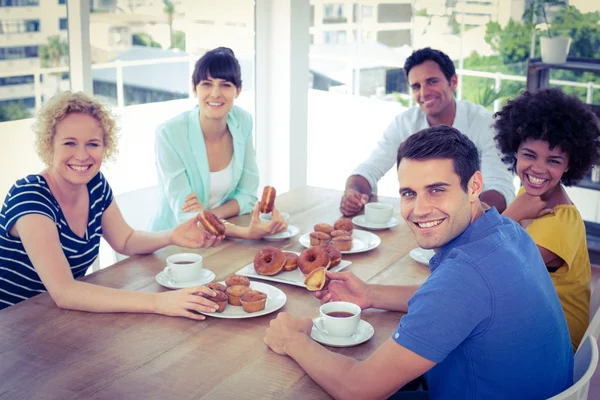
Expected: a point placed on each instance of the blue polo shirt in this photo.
(490, 318)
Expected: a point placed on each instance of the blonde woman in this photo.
(51, 222)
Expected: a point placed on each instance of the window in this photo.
(16, 80)
(62, 1)
(334, 14)
(334, 37)
(18, 52)
(394, 13)
(62, 24)
(28, 102)
(19, 26)
(19, 3)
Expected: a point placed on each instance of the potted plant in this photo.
(555, 48)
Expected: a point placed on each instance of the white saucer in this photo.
(421, 255)
(291, 232)
(364, 332)
(162, 278)
(361, 221)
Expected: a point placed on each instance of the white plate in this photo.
(163, 279)
(294, 277)
(361, 221)
(291, 232)
(364, 332)
(361, 241)
(275, 300)
(421, 255)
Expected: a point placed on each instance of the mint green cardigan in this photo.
(182, 166)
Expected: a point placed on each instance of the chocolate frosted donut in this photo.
(269, 261)
(211, 223)
(267, 202)
(313, 258)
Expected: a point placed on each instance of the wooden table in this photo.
(46, 352)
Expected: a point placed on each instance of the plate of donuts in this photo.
(361, 241)
(293, 277)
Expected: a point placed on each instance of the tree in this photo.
(513, 43)
(13, 111)
(54, 54)
(179, 40)
(169, 9)
(143, 39)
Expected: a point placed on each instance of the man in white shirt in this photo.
(432, 78)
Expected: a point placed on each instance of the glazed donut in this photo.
(269, 261)
(334, 255)
(268, 199)
(211, 223)
(344, 224)
(237, 280)
(291, 262)
(318, 238)
(325, 228)
(313, 258)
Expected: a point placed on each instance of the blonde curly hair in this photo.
(63, 104)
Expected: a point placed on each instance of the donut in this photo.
(237, 280)
(344, 224)
(267, 202)
(334, 255)
(253, 301)
(313, 258)
(342, 243)
(269, 261)
(291, 262)
(340, 233)
(325, 228)
(316, 279)
(318, 238)
(211, 223)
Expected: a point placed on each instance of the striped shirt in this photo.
(31, 195)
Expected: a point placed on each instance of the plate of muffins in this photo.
(342, 236)
(238, 297)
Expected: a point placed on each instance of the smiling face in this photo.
(432, 201)
(539, 168)
(432, 91)
(215, 97)
(77, 149)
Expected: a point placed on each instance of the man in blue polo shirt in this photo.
(487, 323)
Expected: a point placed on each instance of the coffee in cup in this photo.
(338, 318)
(378, 213)
(184, 267)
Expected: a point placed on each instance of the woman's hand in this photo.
(257, 229)
(192, 204)
(181, 303)
(526, 206)
(189, 234)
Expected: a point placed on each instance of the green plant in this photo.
(537, 9)
(488, 94)
(402, 99)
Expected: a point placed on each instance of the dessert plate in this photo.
(361, 241)
(163, 279)
(364, 332)
(294, 277)
(361, 221)
(421, 255)
(275, 300)
(291, 232)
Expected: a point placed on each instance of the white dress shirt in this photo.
(471, 120)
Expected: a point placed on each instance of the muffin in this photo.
(325, 228)
(237, 280)
(339, 232)
(221, 299)
(234, 293)
(253, 301)
(344, 224)
(319, 238)
(342, 243)
(216, 286)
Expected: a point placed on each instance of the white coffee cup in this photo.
(338, 318)
(378, 213)
(266, 218)
(184, 267)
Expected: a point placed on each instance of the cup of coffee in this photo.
(338, 318)
(184, 267)
(378, 213)
(266, 218)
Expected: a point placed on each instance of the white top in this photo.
(472, 120)
(219, 183)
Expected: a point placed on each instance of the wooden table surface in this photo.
(46, 352)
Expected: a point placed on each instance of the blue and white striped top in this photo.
(31, 195)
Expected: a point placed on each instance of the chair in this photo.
(586, 361)
(593, 328)
(595, 300)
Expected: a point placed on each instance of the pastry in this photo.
(234, 280)
(316, 279)
(344, 224)
(319, 238)
(291, 262)
(253, 301)
(334, 255)
(339, 232)
(234, 293)
(211, 223)
(269, 261)
(313, 258)
(325, 228)
(216, 286)
(267, 202)
(342, 243)
(221, 299)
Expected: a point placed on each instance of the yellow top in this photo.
(563, 233)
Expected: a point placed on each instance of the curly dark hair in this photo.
(418, 57)
(555, 117)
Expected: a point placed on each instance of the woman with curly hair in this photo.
(51, 222)
(550, 139)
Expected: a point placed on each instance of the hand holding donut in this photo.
(189, 234)
(345, 286)
(257, 229)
